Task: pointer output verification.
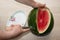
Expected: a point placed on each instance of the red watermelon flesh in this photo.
(43, 18)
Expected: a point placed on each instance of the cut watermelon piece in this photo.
(40, 21)
(43, 20)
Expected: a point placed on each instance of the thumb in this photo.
(25, 30)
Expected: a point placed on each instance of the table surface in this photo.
(8, 7)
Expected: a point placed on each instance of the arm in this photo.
(12, 32)
(31, 3)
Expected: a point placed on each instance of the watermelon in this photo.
(41, 21)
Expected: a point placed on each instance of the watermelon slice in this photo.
(40, 21)
(43, 20)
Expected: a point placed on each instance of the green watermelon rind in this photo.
(31, 20)
(33, 25)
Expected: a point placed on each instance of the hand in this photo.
(15, 30)
(18, 27)
(31, 3)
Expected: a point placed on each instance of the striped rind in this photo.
(33, 26)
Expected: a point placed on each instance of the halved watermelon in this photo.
(40, 21)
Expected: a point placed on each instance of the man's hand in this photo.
(16, 27)
(12, 31)
(31, 3)
(16, 30)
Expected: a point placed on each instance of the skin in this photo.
(31, 3)
(12, 31)
(15, 30)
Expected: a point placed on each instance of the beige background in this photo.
(8, 7)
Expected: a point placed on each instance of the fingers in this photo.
(17, 28)
(41, 5)
(12, 27)
(31, 3)
(17, 25)
(9, 28)
(21, 29)
(25, 30)
(36, 4)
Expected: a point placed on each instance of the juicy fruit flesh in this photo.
(42, 20)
